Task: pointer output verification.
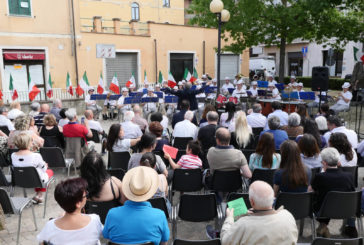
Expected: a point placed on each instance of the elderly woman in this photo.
(322, 124)
(51, 132)
(34, 107)
(73, 226)
(293, 128)
(21, 124)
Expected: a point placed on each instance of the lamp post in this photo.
(223, 15)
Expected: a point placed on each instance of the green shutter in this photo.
(18, 7)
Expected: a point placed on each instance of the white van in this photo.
(261, 63)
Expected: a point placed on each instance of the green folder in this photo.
(239, 206)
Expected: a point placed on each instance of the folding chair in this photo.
(299, 205)
(55, 159)
(341, 205)
(75, 149)
(235, 195)
(314, 171)
(331, 241)
(257, 131)
(118, 160)
(3, 162)
(95, 136)
(185, 180)
(28, 177)
(181, 142)
(161, 154)
(227, 181)
(354, 171)
(180, 153)
(266, 175)
(16, 205)
(195, 208)
(160, 203)
(5, 130)
(189, 242)
(116, 172)
(100, 208)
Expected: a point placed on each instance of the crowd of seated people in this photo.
(291, 145)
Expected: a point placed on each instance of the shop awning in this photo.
(23, 55)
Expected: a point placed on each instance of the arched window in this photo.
(135, 11)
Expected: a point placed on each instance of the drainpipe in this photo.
(203, 56)
(73, 34)
(156, 61)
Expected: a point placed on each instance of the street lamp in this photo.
(223, 15)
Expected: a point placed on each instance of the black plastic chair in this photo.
(354, 171)
(331, 241)
(95, 136)
(16, 205)
(161, 154)
(257, 131)
(315, 171)
(55, 159)
(160, 203)
(341, 205)
(181, 142)
(266, 175)
(235, 195)
(116, 172)
(226, 181)
(298, 204)
(190, 242)
(5, 130)
(195, 208)
(5, 180)
(185, 180)
(100, 208)
(28, 177)
(3, 162)
(119, 160)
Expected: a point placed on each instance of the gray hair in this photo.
(274, 122)
(294, 119)
(3, 109)
(56, 102)
(212, 116)
(35, 106)
(188, 85)
(71, 113)
(137, 109)
(128, 116)
(262, 194)
(321, 122)
(257, 108)
(189, 115)
(331, 156)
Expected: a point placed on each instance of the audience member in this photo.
(326, 111)
(44, 110)
(56, 108)
(138, 118)
(265, 156)
(4, 120)
(301, 110)
(74, 225)
(263, 225)
(311, 127)
(101, 186)
(15, 110)
(228, 116)
(140, 222)
(241, 133)
(332, 179)
(94, 125)
(116, 141)
(348, 157)
(310, 151)
(294, 127)
(32, 126)
(162, 119)
(64, 120)
(279, 135)
(157, 129)
(335, 126)
(277, 111)
(206, 134)
(190, 160)
(180, 116)
(321, 124)
(256, 118)
(186, 128)
(131, 130)
(26, 158)
(207, 109)
(74, 129)
(293, 175)
(51, 132)
(34, 109)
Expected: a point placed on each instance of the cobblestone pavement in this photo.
(186, 230)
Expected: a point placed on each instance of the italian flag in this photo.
(100, 86)
(131, 81)
(33, 90)
(187, 75)
(83, 85)
(114, 85)
(171, 81)
(194, 76)
(160, 78)
(1, 95)
(69, 84)
(358, 55)
(49, 87)
(11, 88)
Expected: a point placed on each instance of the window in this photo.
(337, 62)
(166, 3)
(19, 7)
(135, 11)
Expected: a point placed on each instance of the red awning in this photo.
(24, 55)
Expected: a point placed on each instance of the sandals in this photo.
(37, 200)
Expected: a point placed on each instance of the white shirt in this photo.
(63, 122)
(164, 122)
(185, 129)
(151, 106)
(126, 107)
(253, 91)
(256, 120)
(352, 136)
(201, 95)
(31, 160)
(89, 234)
(12, 114)
(239, 93)
(317, 97)
(283, 117)
(131, 130)
(224, 116)
(4, 121)
(347, 95)
(225, 87)
(88, 100)
(111, 102)
(161, 100)
(95, 125)
(121, 145)
(275, 92)
(346, 163)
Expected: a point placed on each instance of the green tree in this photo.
(280, 22)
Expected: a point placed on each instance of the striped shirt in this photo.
(190, 162)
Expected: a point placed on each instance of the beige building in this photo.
(147, 36)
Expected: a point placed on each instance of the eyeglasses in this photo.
(85, 195)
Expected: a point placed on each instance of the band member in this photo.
(146, 85)
(270, 79)
(226, 86)
(213, 94)
(109, 105)
(343, 100)
(180, 85)
(237, 78)
(291, 81)
(204, 78)
(132, 88)
(91, 104)
(160, 100)
(149, 107)
(120, 104)
(254, 89)
(275, 91)
(239, 91)
(299, 89)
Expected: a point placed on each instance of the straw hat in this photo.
(140, 183)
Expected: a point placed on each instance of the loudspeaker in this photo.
(320, 78)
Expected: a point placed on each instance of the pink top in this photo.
(190, 161)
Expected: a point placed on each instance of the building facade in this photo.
(148, 36)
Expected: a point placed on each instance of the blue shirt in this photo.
(136, 222)
(279, 136)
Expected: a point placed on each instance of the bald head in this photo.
(188, 85)
(44, 108)
(137, 109)
(89, 114)
(261, 195)
(222, 136)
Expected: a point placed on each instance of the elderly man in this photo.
(332, 179)
(279, 135)
(186, 128)
(74, 129)
(256, 119)
(226, 86)
(34, 109)
(343, 100)
(335, 126)
(138, 119)
(206, 134)
(178, 117)
(56, 108)
(4, 120)
(262, 225)
(95, 125)
(131, 130)
(15, 110)
(149, 107)
(38, 119)
(277, 111)
(224, 157)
